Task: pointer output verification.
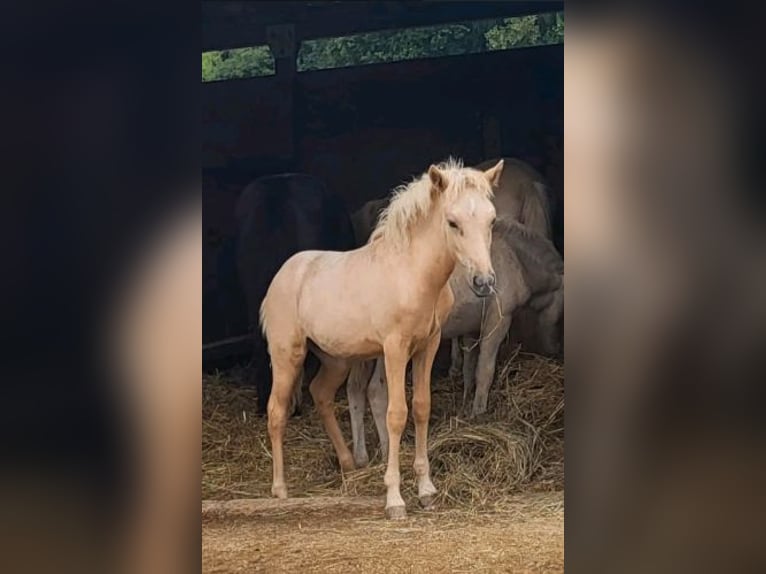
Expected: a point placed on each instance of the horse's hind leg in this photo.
(332, 374)
(377, 395)
(358, 379)
(286, 364)
(259, 371)
(485, 370)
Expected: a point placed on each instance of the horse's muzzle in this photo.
(483, 285)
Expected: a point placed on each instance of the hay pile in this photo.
(516, 446)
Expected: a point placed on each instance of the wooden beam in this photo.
(232, 24)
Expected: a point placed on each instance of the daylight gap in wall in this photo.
(471, 37)
(237, 64)
(454, 39)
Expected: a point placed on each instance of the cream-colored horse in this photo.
(389, 297)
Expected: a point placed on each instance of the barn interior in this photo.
(363, 129)
(363, 126)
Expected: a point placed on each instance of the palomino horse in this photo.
(280, 215)
(389, 297)
(521, 195)
(530, 273)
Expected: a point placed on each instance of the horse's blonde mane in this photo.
(412, 201)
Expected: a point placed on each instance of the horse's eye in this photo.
(452, 224)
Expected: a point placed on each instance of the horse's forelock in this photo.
(411, 201)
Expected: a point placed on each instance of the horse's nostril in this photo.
(484, 280)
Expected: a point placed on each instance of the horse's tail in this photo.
(536, 211)
(262, 316)
(296, 397)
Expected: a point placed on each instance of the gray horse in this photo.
(529, 274)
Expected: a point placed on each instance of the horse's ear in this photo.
(438, 178)
(493, 174)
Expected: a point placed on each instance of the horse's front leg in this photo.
(548, 325)
(422, 362)
(396, 357)
(456, 357)
(470, 359)
(485, 370)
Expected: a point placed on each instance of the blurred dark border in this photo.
(690, 500)
(99, 110)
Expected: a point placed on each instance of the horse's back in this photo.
(282, 297)
(542, 269)
(542, 263)
(302, 269)
(522, 194)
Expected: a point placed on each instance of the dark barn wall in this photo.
(364, 130)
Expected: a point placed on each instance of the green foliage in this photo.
(392, 46)
(239, 63)
(527, 31)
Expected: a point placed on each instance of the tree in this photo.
(392, 46)
(527, 31)
(239, 63)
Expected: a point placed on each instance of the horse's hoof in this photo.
(347, 465)
(361, 461)
(279, 491)
(396, 512)
(428, 502)
(476, 412)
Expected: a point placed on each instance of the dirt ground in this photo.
(349, 534)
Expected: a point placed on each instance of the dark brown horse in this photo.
(279, 216)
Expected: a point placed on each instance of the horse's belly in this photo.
(341, 332)
(345, 348)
